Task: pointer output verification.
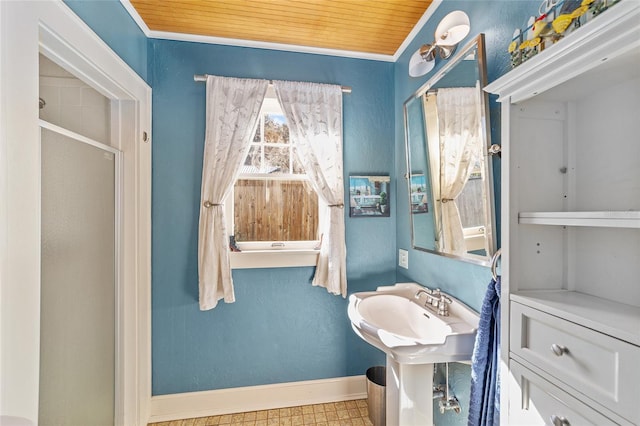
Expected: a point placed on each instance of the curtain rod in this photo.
(203, 77)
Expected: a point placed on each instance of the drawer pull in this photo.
(558, 350)
(559, 421)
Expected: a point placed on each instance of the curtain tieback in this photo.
(340, 206)
(446, 200)
(208, 204)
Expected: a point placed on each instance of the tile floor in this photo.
(345, 413)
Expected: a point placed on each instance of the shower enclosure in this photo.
(80, 190)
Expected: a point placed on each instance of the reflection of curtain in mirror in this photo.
(460, 144)
(433, 154)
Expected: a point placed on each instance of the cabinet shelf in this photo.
(611, 219)
(602, 315)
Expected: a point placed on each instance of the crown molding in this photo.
(269, 46)
(136, 17)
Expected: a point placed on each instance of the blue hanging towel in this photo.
(484, 406)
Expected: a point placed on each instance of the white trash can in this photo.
(376, 395)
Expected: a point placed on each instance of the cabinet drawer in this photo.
(600, 367)
(535, 401)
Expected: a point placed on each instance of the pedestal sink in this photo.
(415, 334)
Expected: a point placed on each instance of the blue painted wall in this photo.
(468, 282)
(281, 328)
(110, 20)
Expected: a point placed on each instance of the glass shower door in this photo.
(79, 277)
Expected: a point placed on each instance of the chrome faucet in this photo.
(435, 301)
(436, 296)
(443, 305)
(421, 291)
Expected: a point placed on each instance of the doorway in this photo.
(51, 29)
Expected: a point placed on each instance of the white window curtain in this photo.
(314, 116)
(232, 112)
(460, 145)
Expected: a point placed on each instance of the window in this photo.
(274, 209)
(471, 208)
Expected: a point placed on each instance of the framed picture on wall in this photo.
(419, 196)
(369, 196)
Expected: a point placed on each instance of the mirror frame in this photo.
(490, 222)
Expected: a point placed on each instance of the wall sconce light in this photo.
(450, 31)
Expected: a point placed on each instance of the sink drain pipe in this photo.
(446, 401)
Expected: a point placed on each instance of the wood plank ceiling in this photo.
(366, 26)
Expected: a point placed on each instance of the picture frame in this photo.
(369, 196)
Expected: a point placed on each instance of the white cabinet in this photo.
(599, 367)
(571, 227)
(536, 401)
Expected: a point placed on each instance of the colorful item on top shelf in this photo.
(556, 19)
(561, 23)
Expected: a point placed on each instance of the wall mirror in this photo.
(449, 171)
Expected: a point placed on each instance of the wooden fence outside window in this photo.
(275, 210)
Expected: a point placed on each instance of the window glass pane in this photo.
(276, 159)
(253, 157)
(275, 129)
(470, 203)
(275, 210)
(253, 161)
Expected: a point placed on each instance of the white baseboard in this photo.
(253, 398)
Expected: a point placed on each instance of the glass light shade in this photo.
(452, 29)
(418, 66)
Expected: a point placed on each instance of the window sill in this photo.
(250, 259)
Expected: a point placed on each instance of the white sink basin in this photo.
(396, 322)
